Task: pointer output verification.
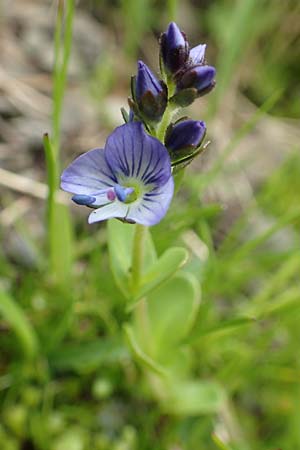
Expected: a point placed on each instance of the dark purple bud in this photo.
(188, 133)
(146, 82)
(174, 48)
(82, 199)
(198, 77)
(149, 94)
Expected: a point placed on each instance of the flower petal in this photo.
(88, 175)
(146, 81)
(197, 54)
(115, 209)
(131, 152)
(153, 206)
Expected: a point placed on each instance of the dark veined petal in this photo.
(116, 209)
(197, 54)
(131, 152)
(153, 206)
(88, 175)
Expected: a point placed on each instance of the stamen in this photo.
(122, 193)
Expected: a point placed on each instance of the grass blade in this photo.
(15, 316)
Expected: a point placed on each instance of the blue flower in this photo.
(174, 48)
(129, 179)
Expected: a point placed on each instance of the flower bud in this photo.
(183, 141)
(199, 77)
(174, 49)
(149, 94)
(146, 81)
(187, 134)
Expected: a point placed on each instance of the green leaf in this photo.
(16, 317)
(223, 328)
(166, 266)
(287, 301)
(194, 397)
(144, 359)
(219, 443)
(172, 309)
(120, 241)
(87, 356)
(61, 243)
(60, 233)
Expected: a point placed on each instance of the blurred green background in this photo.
(68, 380)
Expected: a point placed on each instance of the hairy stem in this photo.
(165, 121)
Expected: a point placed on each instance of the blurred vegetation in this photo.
(68, 379)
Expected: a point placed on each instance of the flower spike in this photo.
(131, 178)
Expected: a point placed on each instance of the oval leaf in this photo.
(194, 397)
(140, 355)
(163, 269)
(172, 309)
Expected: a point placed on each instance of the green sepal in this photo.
(183, 157)
(152, 107)
(125, 115)
(184, 97)
(132, 105)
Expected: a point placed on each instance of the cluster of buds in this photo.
(185, 76)
(132, 177)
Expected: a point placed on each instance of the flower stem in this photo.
(137, 256)
(165, 121)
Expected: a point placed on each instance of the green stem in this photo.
(165, 121)
(172, 9)
(57, 215)
(137, 256)
(142, 320)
